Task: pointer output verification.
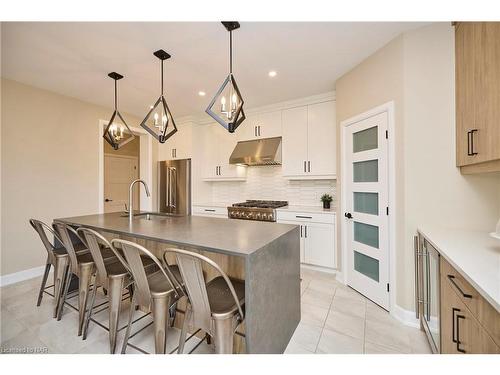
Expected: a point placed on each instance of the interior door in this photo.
(366, 208)
(119, 172)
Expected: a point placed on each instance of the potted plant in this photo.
(326, 199)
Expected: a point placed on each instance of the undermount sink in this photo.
(152, 215)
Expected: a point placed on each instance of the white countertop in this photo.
(308, 209)
(475, 255)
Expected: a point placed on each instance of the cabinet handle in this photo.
(309, 166)
(303, 217)
(452, 280)
(259, 130)
(255, 130)
(305, 231)
(219, 171)
(470, 142)
(209, 210)
(453, 311)
(301, 231)
(458, 333)
(305, 166)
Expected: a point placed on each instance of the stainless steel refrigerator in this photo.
(174, 186)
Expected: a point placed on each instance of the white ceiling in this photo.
(73, 59)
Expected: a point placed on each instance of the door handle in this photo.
(452, 280)
(348, 215)
(108, 200)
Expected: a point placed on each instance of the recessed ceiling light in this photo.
(272, 73)
(202, 93)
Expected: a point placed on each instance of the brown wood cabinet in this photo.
(465, 328)
(477, 68)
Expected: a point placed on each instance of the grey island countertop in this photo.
(233, 237)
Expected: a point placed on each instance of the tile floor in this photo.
(335, 319)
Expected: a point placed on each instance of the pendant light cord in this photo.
(116, 96)
(161, 63)
(230, 52)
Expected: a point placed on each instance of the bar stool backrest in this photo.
(64, 232)
(133, 253)
(95, 241)
(42, 229)
(190, 266)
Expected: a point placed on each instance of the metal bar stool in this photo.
(57, 256)
(216, 306)
(157, 292)
(80, 264)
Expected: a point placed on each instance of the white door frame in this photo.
(391, 153)
(145, 165)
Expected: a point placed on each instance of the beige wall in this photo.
(130, 149)
(49, 160)
(416, 70)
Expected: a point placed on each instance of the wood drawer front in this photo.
(458, 323)
(478, 306)
(306, 217)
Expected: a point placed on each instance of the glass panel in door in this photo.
(368, 266)
(366, 234)
(365, 140)
(366, 203)
(365, 171)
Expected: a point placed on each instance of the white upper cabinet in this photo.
(309, 142)
(260, 125)
(179, 146)
(321, 139)
(294, 147)
(218, 146)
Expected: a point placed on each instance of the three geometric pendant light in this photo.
(226, 107)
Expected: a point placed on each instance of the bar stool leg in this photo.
(62, 298)
(59, 277)
(185, 324)
(115, 298)
(92, 302)
(224, 335)
(127, 332)
(83, 293)
(160, 310)
(44, 282)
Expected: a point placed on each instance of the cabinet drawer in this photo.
(306, 217)
(210, 211)
(478, 306)
(459, 324)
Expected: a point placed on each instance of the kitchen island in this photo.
(266, 255)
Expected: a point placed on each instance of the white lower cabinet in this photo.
(317, 237)
(209, 211)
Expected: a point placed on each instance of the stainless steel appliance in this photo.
(255, 210)
(265, 151)
(427, 287)
(174, 186)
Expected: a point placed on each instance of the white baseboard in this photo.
(17, 277)
(318, 268)
(407, 317)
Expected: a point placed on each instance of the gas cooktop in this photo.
(255, 210)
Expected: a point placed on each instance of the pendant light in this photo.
(117, 135)
(159, 121)
(227, 105)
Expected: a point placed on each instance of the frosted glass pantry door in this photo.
(367, 208)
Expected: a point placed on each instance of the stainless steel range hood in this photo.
(266, 151)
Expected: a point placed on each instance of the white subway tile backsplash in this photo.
(267, 183)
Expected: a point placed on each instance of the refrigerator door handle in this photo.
(173, 185)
